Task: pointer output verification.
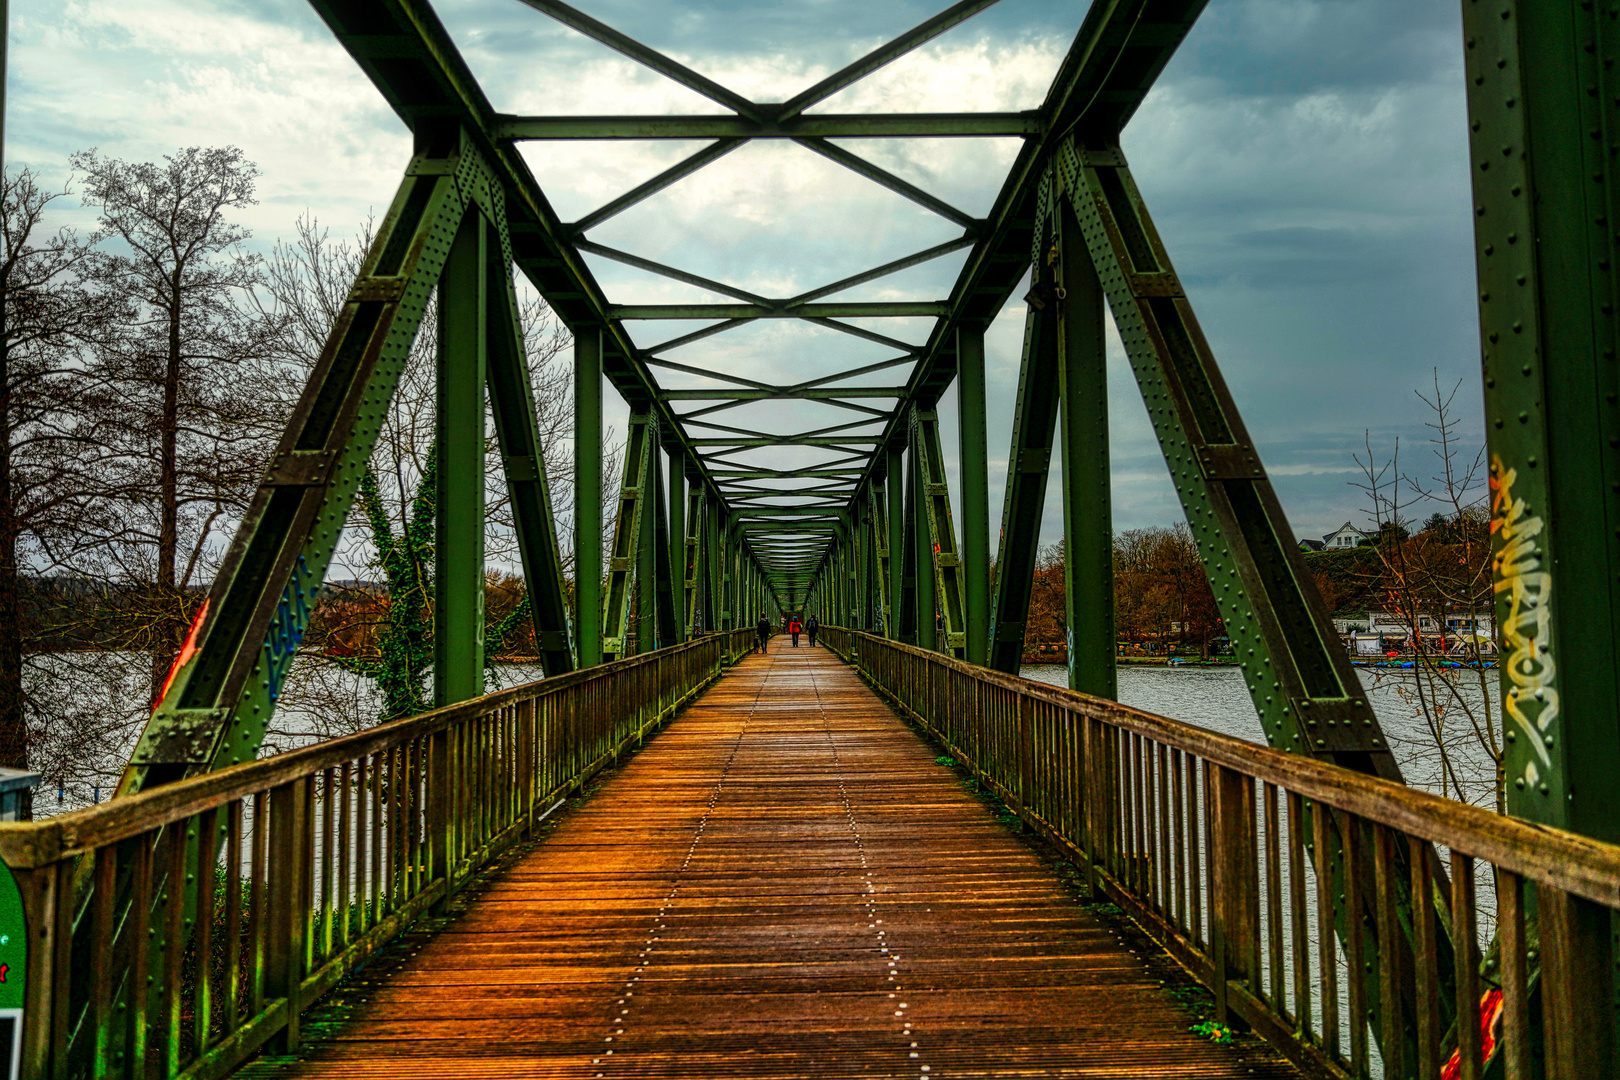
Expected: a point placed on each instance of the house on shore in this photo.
(1345, 536)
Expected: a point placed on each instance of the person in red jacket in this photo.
(794, 626)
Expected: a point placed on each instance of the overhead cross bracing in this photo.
(741, 489)
(842, 415)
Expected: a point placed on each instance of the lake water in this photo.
(95, 693)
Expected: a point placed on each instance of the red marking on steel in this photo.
(187, 651)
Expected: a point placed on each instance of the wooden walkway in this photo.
(783, 883)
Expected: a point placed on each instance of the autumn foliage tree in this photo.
(1161, 593)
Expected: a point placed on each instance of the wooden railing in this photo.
(320, 856)
(1238, 860)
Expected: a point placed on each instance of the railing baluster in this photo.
(203, 933)
(327, 911)
(1352, 838)
(1392, 1044)
(103, 1015)
(1426, 957)
(1577, 977)
(140, 957)
(1299, 917)
(1162, 829)
(345, 839)
(1178, 834)
(258, 916)
(230, 1015)
(1274, 935)
(1465, 951)
(1514, 966)
(173, 942)
(1326, 949)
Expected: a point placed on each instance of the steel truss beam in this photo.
(1306, 693)
(1116, 56)
(1541, 83)
(939, 532)
(694, 557)
(634, 493)
(216, 707)
(820, 126)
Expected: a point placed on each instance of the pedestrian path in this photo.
(782, 884)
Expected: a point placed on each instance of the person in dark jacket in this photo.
(794, 627)
(762, 633)
(811, 626)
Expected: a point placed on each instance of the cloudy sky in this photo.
(1305, 161)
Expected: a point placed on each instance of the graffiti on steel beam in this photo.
(1525, 586)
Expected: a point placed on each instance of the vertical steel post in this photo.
(588, 495)
(646, 629)
(619, 636)
(462, 360)
(675, 539)
(1088, 532)
(711, 563)
(1035, 412)
(693, 612)
(944, 555)
(898, 541)
(973, 459)
(1541, 87)
(925, 589)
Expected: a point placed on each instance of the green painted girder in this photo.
(725, 477)
(748, 443)
(783, 309)
(461, 363)
(653, 185)
(1298, 674)
(511, 402)
(1541, 86)
(694, 556)
(821, 125)
(880, 553)
(848, 429)
(786, 514)
(1299, 677)
(973, 466)
(822, 90)
(950, 586)
(217, 707)
(1121, 48)
(635, 493)
(1029, 461)
(786, 393)
(402, 46)
(1088, 522)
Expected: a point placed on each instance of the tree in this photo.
(192, 437)
(383, 630)
(1160, 588)
(48, 449)
(1442, 570)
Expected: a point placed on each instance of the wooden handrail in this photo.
(1205, 841)
(308, 862)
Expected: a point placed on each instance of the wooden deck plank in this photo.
(782, 884)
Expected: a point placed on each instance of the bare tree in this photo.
(307, 283)
(1441, 570)
(49, 451)
(192, 437)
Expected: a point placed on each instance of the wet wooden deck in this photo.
(783, 883)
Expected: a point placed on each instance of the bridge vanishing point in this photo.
(782, 882)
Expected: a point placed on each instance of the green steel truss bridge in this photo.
(851, 518)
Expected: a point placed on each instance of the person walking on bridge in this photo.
(794, 626)
(762, 633)
(811, 626)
